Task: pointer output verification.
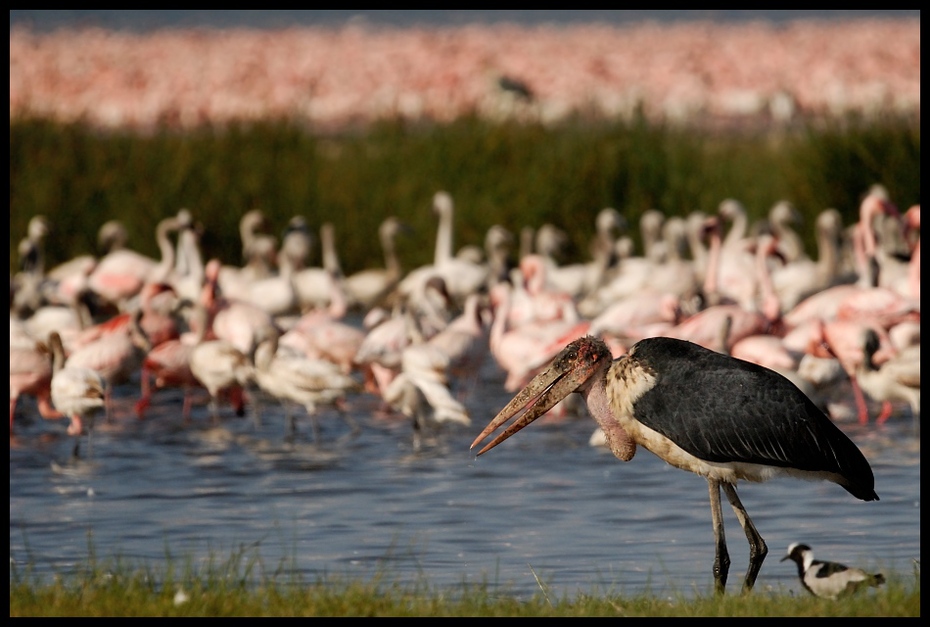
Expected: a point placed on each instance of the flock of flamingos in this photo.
(330, 78)
(841, 323)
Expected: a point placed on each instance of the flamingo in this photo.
(461, 276)
(115, 356)
(238, 322)
(417, 319)
(380, 352)
(293, 378)
(296, 245)
(457, 351)
(189, 274)
(497, 244)
(121, 274)
(258, 249)
(580, 279)
(521, 349)
(27, 283)
(632, 273)
(259, 255)
(676, 274)
(733, 282)
(77, 392)
(221, 367)
(647, 313)
(318, 286)
(545, 303)
(421, 391)
(157, 318)
(31, 375)
(34, 289)
(802, 277)
(912, 219)
(168, 364)
(722, 326)
(700, 411)
(843, 339)
(67, 320)
(875, 262)
(783, 216)
(367, 288)
(322, 334)
(896, 379)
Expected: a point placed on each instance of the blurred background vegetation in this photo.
(510, 174)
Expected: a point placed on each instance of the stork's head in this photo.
(570, 371)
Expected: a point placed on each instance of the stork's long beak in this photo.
(569, 371)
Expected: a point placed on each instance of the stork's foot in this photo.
(757, 553)
(721, 570)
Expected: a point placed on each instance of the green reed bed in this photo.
(243, 586)
(515, 175)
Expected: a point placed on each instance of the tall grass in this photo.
(515, 175)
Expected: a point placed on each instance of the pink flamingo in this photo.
(720, 326)
(121, 275)
(322, 334)
(912, 287)
(644, 314)
(115, 356)
(31, 375)
(733, 281)
(520, 350)
(240, 323)
(168, 364)
(843, 339)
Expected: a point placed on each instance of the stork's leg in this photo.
(722, 557)
(757, 548)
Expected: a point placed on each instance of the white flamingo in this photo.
(296, 378)
(896, 379)
(77, 392)
(367, 288)
(462, 276)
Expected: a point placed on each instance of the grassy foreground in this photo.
(232, 589)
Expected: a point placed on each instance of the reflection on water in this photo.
(543, 509)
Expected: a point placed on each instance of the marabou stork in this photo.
(717, 416)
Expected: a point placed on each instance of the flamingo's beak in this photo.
(568, 372)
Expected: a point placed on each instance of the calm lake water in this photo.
(542, 512)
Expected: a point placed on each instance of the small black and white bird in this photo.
(829, 580)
